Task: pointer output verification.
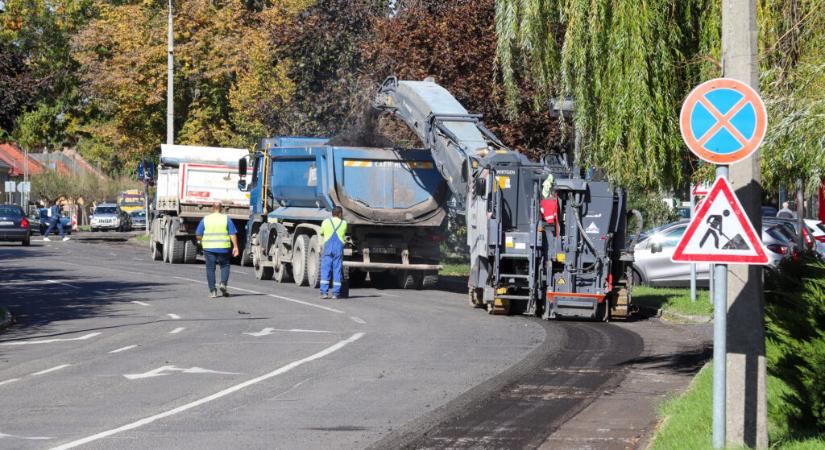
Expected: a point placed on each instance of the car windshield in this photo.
(644, 234)
(105, 210)
(669, 238)
(138, 214)
(10, 211)
(821, 226)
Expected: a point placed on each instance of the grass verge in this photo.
(673, 300)
(686, 421)
(84, 228)
(142, 238)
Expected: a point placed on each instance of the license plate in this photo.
(6, 222)
(382, 251)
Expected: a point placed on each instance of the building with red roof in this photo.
(15, 158)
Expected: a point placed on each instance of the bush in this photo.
(795, 314)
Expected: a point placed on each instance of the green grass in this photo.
(142, 238)
(673, 300)
(460, 269)
(687, 419)
(84, 228)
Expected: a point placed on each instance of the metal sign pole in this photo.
(692, 266)
(720, 315)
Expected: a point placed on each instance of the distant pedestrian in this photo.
(217, 235)
(785, 212)
(333, 231)
(53, 216)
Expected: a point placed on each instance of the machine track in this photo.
(520, 408)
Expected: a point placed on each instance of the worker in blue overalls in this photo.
(333, 231)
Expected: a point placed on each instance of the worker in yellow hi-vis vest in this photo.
(217, 235)
(333, 231)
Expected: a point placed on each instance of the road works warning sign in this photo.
(720, 232)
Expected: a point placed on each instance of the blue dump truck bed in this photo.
(393, 199)
(373, 186)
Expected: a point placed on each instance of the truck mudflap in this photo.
(391, 266)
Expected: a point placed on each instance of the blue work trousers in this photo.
(211, 259)
(332, 261)
(52, 224)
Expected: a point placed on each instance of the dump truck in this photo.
(543, 239)
(190, 180)
(393, 201)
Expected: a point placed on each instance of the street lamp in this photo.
(564, 108)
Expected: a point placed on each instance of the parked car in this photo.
(653, 266)
(138, 219)
(14, 225)
(769, 211)
(109, 216)
(808, 235)
(40, 221)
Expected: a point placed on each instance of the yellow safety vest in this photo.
(328, 226)
(215, 231)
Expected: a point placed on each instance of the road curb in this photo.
(8, 318)
(674, 316)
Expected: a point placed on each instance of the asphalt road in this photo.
(112, 350)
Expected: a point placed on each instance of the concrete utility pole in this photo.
(746, 401)
(170, 83)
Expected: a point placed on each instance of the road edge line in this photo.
(147, 420)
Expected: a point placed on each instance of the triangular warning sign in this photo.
(720, 232)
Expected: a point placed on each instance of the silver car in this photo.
(109, 216)
(655, 248)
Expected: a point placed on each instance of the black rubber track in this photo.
(520, 408)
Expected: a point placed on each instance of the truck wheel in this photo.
(190, 251)
(165, 247)
(430, 280)
(281, 273)
(157, 251)
(176, 249)
(357, 277)
(345, 284)
(314, 262)
(300, 260)
(246, 258)
(261, 272)
(409, 279)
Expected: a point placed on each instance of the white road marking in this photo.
(358, 320)
(137, 302)
(62, 366)
(279, 371)
(293, 300)
(161, 371)
(268, 331)
(177, 330)
(51, 341)
(28, 438)
(63, 284)
(173, 316)
(388, 295)
(10, 380)
(123, 349)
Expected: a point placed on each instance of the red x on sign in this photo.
(723, 121)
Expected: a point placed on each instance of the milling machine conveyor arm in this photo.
(458, 140)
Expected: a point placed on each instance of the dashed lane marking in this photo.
(51, 341)
(177, 330)
(230, 390)
(42, 372)
(173, 316)
(123, 349)
(27, 438)
(10, 380)
(358, 320)
(268, 331)
(138, 302)
(63, 284)
(280, 297)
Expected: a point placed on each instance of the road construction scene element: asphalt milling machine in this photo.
(543, 240)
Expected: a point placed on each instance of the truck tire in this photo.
(430, 280)
(246, 257)
(165, 249)
(410, 279)
(300, 260)
(261, 272)
(190, 251)
(282, 273)
(157, 251)
(357, 277)
(314, 262)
